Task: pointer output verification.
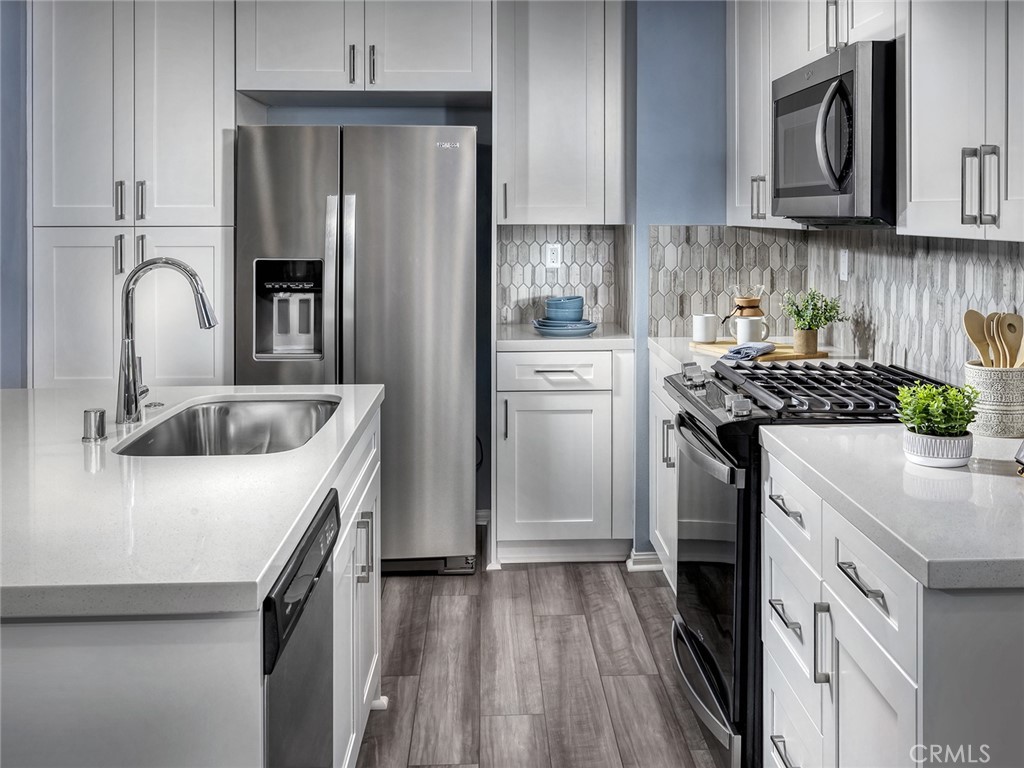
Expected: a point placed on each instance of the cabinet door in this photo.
(367, 621)
(861, 20)
(346, 550)
(798, 32)
(299, 45)
(76, 304)
(184, 112)
(428, 45)
(174, 349)
(747, 107)
(81, 112)
(664, 512)
(945, 107)
(870, 705)
(1003, 177)
(554, 465)
(550, 110)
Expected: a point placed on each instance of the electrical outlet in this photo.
(844, 265)
(552, 255)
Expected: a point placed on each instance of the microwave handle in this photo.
(819, 135)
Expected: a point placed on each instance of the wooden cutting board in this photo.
(782, 351)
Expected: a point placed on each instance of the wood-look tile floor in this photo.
(540, 666)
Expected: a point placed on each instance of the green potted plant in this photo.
(936, 418)
(810, 313)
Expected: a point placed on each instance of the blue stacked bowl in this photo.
(566, 308)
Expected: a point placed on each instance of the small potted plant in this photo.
(936, 418)
(815, 310)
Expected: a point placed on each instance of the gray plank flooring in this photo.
(541, 666)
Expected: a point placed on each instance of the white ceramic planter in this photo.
(933, 451)
(1000, 399)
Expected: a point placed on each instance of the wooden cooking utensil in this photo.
(974, 324)
(1011, 331)
(993, 339)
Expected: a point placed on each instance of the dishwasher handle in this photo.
(282, 607)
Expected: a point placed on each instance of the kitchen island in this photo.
(131, 587)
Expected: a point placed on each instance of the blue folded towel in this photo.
(749, 351)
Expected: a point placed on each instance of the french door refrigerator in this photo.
(356, 263)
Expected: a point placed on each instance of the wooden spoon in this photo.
(993, 339)
(1011, 331)
(974, 324)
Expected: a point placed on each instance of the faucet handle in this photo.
(143, 389)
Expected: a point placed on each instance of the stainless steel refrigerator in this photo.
(356, 263)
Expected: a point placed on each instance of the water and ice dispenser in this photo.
(288, 309)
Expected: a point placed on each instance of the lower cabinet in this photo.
(78, 275)
(554, 463)
(664, 496)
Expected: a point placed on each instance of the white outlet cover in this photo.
(844, 265)
(552, 255)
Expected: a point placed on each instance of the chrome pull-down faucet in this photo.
(130, 391)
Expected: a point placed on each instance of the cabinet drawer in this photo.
(557, 371)
(790, 738)
(789, 589)
(879, 593)
(795, 510)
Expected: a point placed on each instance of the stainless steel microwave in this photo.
(834, 139)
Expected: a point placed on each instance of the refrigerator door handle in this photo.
(348, 292)
(330, 260)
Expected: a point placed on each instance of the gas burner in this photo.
(822, 390)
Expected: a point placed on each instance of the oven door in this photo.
(709, 581)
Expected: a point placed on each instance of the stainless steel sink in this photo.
(233, 427)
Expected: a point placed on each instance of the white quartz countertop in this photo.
(949, 528)
(675, 350)
(523, 337)
(87, 532)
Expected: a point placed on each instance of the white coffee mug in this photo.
(705, 328)
(750, 329)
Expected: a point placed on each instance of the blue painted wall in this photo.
(13, 203)
(680, 158)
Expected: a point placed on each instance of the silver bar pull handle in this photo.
(364, 570)
(753, 197)
(780, 610)
(140, 200)
(762, 197)
(352, 63)
(119, 200)
(965, 217)
(819, 677)
(506, 419)
(989, 150)
(368, 517)
(778, 500)
(348, 290)
(780, 749)
(542, 371)
(119, 254)
(504, 200)
(666, 456)
(140, 249)
(831, 25)
(850, 571)
(373, 64)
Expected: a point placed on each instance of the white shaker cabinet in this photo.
(440, 45)
(175, 351)
(76, 312)
(184, 112)
(664, 512)
(559, 110)
(343, 564)
(367, 602)
(82, 82)
(300, 45)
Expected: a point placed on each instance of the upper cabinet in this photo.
(352, 45)
(962, 162)
(559, 112)
(133, 112)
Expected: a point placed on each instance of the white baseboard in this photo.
(576, 551)
(483, 517)
(643, 561)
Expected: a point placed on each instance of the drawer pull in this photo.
(819, 677)
(850, 571)
(780, 610)
(780, 502)
(666, 456)
(780, 748)
(544, 371)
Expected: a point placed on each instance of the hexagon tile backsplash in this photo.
(906, 295)
(596, 263)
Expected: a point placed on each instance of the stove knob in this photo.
(691, 369)
(699, 379)
(741, 406)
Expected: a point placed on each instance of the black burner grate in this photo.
(840, 390)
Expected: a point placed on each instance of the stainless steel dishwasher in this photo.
(298, 621)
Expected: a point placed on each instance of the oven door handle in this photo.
(692, 448)
(819, 135)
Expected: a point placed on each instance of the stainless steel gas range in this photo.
(717, 627)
